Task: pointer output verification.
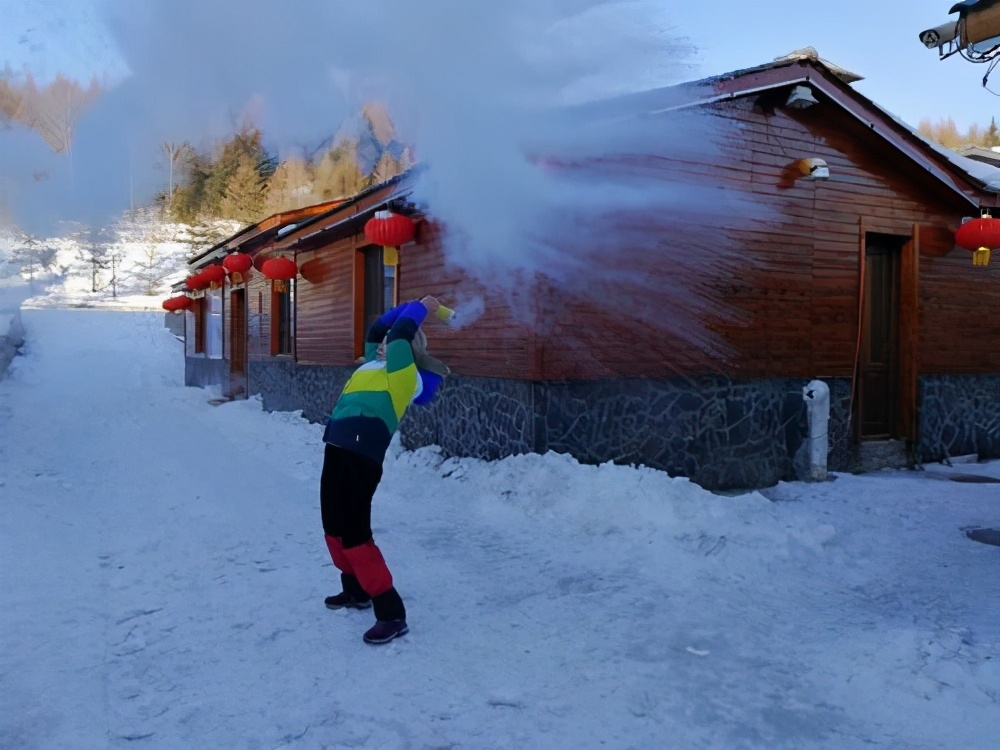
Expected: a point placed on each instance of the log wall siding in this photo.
(959, 312)
(797, 295)
(325, 305)
(788, 308)
(497, 344)
(259, 319)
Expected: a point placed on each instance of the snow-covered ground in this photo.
(163, 570)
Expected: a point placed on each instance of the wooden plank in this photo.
(909, 334)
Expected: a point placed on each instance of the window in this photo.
(390, 288)
(199, 325)
(238, 330)
(282, 318)
(380, 285)
(212, 318)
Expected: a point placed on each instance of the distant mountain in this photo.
(48, 38)
(375, 135)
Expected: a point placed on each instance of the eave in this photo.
(804, 71)
(255, 236)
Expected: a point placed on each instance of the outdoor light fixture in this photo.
(813, 169)
(801, 97)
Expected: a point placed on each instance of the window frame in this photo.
(283, 319)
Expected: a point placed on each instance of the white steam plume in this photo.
(486, 92)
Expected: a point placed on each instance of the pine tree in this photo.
(189, 195)
(991, 139)
(245, 145)
(946, 133)
(338, 174)
(290, 186)
(245, 194)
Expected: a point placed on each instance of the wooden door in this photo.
(879, 392)
(238, 342)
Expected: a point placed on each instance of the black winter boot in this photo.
(352, 597)
(390, 616)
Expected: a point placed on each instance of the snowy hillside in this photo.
(48, 38)
(130, 264)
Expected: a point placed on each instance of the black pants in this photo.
(346, 489)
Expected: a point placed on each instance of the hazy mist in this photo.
(479, 89)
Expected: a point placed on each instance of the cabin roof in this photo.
(958, 172)
(256, 235)
(979, 153)
(973, 182)
(348, 214)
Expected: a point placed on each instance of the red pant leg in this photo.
(340, 560)
(369, 568)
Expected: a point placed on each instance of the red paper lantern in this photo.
(236, 265)
(196, 281)
(214, 275)
(978, 233)
(176, 304)
(390, 229)
(980, 236)
(279, 270)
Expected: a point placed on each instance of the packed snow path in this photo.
(163, 571)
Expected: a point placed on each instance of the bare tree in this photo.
(33, 256)
(92, 251)
(175, 154)
(51, 110)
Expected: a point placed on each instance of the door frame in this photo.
(238, 340)
(907, 283)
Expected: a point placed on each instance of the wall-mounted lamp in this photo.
(813, 169)
(801, 97)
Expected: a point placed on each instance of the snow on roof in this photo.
(810, 53)
(979, 171)
(980, 153)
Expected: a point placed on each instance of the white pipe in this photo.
(816, 394)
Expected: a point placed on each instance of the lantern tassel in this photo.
(390, 255)
(981, 257)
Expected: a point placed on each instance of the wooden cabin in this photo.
(854, 279)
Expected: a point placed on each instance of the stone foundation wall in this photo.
(204, 372)
(721, 434)
(959, 415)
(287, 386)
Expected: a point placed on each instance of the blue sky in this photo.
(452, 70)
(876, 39)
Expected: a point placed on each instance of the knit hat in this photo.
(425, 361)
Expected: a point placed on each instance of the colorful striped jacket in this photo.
(373, 401)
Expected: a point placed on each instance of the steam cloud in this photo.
(491, 94)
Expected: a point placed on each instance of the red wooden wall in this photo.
(325, 325)
(783, 304)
